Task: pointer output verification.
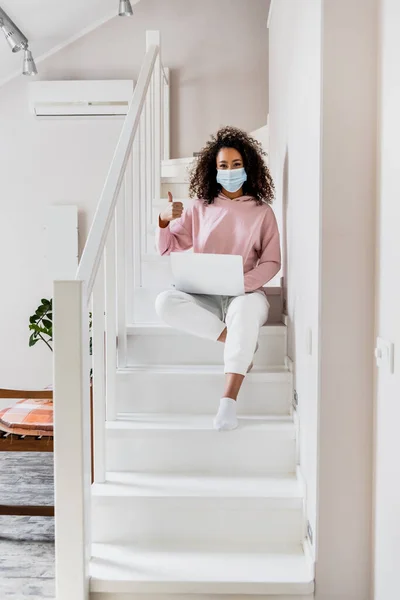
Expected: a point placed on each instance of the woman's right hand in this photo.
(171, 212)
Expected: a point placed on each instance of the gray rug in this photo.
(26, 543)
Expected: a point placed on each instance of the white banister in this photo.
(166, 115)
(154, 38)
(165, 74)
(98, 390)
(111, 325)
(149, 179)
(157, 128)
(139, 180)
(109, 270)
(121, 273)
(71, 439)
(98, 233)
(129, 228)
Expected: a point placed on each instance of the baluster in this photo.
(121, 275)
(99, 391)
(149, 175)
(139, 195)
(166, 115)
(157, 129)
(129, 218)
(152, 140)
(111, 325)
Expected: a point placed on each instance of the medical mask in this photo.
(231, 179)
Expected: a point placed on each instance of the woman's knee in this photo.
(249, 309)
(166, 303)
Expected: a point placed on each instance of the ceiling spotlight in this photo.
(29, 67)
(125, 8)
(13, 35)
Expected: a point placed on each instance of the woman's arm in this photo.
(177, 236)
(270, 259)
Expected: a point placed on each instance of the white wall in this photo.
(329, 216)
(41, 163)
(387, 525)
(295, 111)
(217, 51)
(65, 162)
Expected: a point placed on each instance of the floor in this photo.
(26, 543)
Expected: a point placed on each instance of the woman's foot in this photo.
(226, 418)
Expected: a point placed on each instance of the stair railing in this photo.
(102, 296)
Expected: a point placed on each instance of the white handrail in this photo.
(96, 240)
(165, 73)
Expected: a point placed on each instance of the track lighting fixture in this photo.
(17, 41)
(125, 8)
(29, 67)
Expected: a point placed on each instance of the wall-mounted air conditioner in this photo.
(59, 99)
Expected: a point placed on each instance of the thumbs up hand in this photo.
(171, 212)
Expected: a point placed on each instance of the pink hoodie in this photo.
(237, 226)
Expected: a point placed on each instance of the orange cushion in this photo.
(28, 417)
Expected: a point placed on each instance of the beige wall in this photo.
(218, 56)
(387, 522)
(323, 156)
(218, 53)
(348, 204)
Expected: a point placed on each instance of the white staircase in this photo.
(178, 509)
(185, 510)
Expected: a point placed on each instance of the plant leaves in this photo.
(33, 341)
(47, 323)
(38, 329)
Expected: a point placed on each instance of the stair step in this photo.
(198, 512)
(178, 185)
(129, 569)
(179, 443)
(161, 329)
(176, 170)
(181, 423)
(155, 343)
(196, 389)
(145, 297)
(275, 490)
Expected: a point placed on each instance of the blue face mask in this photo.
(231, 179)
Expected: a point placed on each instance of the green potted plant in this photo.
(41, 326)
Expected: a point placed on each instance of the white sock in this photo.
(226, 417)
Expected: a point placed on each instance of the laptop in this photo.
(211, 274)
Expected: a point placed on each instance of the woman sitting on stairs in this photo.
(232, 215)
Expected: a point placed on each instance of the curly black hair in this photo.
(203, 176)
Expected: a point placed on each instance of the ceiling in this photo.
(49, 25)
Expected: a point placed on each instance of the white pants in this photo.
(207, 317)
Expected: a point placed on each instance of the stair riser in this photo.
(191, 523)
(133, 596)
(176, 171)
(181, 349)
(145, 298)
(242, 452)
(198, 394)
(178, 189)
